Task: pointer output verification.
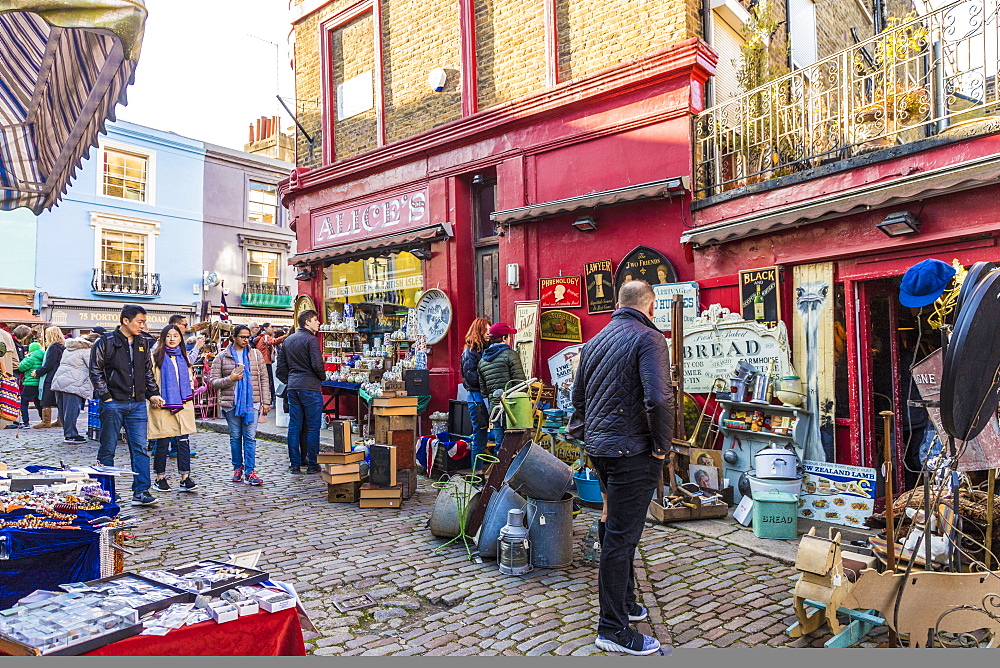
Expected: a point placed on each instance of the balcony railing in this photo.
(907, 83)
(267, 295)
(147, 285)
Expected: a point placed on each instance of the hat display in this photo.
(500, 329)
(924, 282)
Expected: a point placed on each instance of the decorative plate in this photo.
(434, 315)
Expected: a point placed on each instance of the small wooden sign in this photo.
(560, 326)
(526, 324)
(560, 292)
(644, 264)
(600, 286)
(765, 309)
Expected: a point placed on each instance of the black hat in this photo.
(98, 330)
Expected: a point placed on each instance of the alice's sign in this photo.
(664, 296)
(382, 217)
(717, 341)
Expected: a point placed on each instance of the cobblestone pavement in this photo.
(700, 592)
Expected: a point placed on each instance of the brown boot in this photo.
(46, 420)
(57, 423)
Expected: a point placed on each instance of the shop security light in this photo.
(585, 224)
(900, 224)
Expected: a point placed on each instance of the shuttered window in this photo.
(802, 22)
(727, 42)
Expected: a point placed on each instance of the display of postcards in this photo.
(208, 577)
(144, 594)
(65, 625)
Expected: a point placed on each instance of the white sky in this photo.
(202, 75)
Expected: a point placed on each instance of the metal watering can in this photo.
(516, 404)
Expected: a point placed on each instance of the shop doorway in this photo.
(892, 339)
(488, 283)
(486, 246)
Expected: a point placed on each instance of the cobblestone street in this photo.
(701, 592)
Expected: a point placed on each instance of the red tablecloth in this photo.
(263, 634)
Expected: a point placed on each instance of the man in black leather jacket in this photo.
(624, 403)
(300, 367)
(121, 369)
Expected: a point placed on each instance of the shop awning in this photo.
(383, 245)
(963, 176)
(64, 65)
(652, 190)
(18, 316)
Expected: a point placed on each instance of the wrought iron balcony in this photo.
(909, 82)
(104, 282)
(266, 295)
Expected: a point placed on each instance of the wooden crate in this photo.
(404, 440)
(348, 492)
(386, 423)
(667, 515)
(408, 478)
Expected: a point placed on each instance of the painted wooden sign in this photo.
(812, 320)
(526, 324)
(560, 292)
(716, 342)
(644, 264)
(836, 493)
(759, 296)
(664, 296)
(562, 371)
(600, 286)
(560, 326)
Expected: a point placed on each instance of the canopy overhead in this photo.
(64, 65)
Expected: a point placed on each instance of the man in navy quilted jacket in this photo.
(624, 402)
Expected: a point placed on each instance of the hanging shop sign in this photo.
(560, 326)
(717, 341)
(560, 292)
(644, 264)
(978, 454)
(759, 296)
(664, 296)
(303, 303)
(562, 370)
(600, 286)
(526, 324)
(837, 494)
(433, 314)
(381, 217)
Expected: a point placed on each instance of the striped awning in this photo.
(64, 65)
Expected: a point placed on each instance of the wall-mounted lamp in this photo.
(478, 180)
(585, 224)
(421, 253)
(900, 224)
(514, 275)
(305, 274)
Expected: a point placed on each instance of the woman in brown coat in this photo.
(175, 418)
(240, 376)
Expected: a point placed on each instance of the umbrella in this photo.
(64, 65)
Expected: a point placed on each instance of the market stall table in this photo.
(260, 634)
(333, 389)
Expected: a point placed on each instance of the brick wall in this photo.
(352, 54)
(594, 34)
(418, 37)
(834, 20)
(510, 49)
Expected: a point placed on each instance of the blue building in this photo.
(129, 230)
(17, 270)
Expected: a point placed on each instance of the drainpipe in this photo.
(939, 91)
(788, 34)
(706, 35)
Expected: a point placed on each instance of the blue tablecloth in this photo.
(354, 387)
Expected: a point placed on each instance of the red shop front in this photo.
(827, 227)
(484, 207)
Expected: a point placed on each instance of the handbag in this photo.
(10, 397)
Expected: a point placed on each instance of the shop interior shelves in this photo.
(746, 405)
(760, 434)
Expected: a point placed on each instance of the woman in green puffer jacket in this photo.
(29, 383)
(499, 365)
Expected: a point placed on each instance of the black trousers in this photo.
(630, 483)
(183, 454)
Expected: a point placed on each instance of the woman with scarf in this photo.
(176, 418)
(240, 376)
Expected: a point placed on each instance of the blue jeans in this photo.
(305, 409)
(498, 427)
(70, 406)
(131, 414)
(476, 404)
(242, 441)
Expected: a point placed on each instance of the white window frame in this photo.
(150, 229)
(798, 62)
(277, 204)
(150, 156)
(278, 264)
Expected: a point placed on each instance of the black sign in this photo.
(600, 286)
(759, 296)
(645, 264)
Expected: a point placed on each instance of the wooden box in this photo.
(408, 479)
(394, 410)
(394, 402)
(382, 466)
(386, 423)
(341, 469)
(339, 458)
(341, 433)
(348, 492)
(667, 515)
(404, 440)
(340, 478)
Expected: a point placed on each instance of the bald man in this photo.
(623, 410)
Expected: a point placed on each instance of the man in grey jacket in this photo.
(300, 367)
(623, 403)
